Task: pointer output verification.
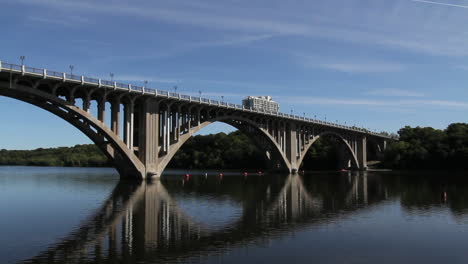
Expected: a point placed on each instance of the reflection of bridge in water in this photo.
(144, 219)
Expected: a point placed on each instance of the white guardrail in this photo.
(80, 79)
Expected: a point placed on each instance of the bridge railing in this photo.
(149, 90)
(91, 80)
(34, 70)
(108, 83)
(131, 88)
(72, 77)
(137, 88)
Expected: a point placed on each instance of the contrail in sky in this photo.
(439, 3)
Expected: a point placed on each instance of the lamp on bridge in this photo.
(22, 59)
(199, 92)
(71, 69)
(146, 84)
(111, 76)
(175, 89)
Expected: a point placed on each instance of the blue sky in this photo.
(380, 64)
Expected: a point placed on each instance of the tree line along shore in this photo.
(417, 148)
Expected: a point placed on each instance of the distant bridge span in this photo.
(157, 123)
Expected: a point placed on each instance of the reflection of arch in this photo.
(125, 199)
(150, 223)
(349, 149)
(125, 161)
(295, 191)
(230, 120)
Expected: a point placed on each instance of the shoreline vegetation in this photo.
(418, 148)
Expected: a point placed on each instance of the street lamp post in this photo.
(71, 69)
(175, 89)
(146, 84)
(22, 60)
(111, 76)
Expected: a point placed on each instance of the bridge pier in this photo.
(361, 153)
(148, 148)
(291, 147)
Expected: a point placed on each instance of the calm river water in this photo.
(76, 215)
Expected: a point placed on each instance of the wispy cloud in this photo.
(376, 103)
(68, 21)
(139, 78)
(395, 92)
(348, 65)
(440, 3)
(362, 67)
(187, 47)
(400, 26)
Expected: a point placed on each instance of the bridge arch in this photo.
(343, 140)
(126, 163)
(230, 120)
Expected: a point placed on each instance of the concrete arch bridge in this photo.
(157, 123)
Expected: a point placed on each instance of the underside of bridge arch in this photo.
(329, 151)
(276, 159)
(112, 147)
(375, 150)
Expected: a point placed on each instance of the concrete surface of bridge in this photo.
(157, 123)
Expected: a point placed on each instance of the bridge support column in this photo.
(149, 137)
(102, 110)
(291, 146)
(174, 125)
(86, 104)
(115, 116)
(129, 124)
(361, 153)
